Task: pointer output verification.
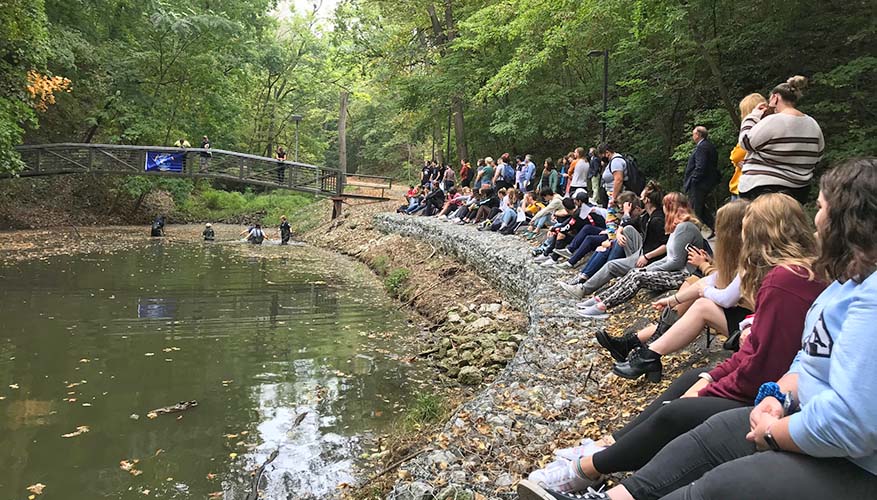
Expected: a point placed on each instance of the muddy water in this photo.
(89, 345)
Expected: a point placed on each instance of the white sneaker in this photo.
(548, 262)
(586, 449)
(574, 290)
(540, 258)
(587, 303)
(564, 265)
(593, 311)
(561, 478)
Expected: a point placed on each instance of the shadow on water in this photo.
(257, 336)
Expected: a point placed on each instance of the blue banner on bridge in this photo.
(160, 161)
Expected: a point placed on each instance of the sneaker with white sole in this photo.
(573, 290)
(528, 490)
(540, 258)
(564, 252)
(564, 265)
(560, 478)
(587, 448)
(575, 280)
(549, 262)
(593, 311)
(587, 303)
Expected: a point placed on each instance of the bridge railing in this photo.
(68, 158)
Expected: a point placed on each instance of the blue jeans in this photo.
(509, 217)
(588, 245)
(541, 221)
(581, 235)
(599, 259)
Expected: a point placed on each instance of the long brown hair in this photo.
(848, 239)
(676, 211)
(729, 227)
(775, 233)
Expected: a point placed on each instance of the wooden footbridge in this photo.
(70, 158)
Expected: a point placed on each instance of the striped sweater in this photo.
(781, 150)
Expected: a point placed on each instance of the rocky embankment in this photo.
(554, 391)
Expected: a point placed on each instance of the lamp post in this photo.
(297, 119)
(605, 54)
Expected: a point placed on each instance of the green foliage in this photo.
(427, 408)
(208, 204)
(380, 264)
(520, 70)
(22, 49)
(395, 280)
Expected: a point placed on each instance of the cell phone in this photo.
(689, 248)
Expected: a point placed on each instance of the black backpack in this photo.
(635, 181)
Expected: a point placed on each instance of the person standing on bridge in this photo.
(206, 154)
(280, 154)
(183, 143)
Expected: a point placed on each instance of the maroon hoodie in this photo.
(781, 305)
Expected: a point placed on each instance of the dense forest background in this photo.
(472, 77)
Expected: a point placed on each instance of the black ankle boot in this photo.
(668, 318)
(642, 361)
(619, 347)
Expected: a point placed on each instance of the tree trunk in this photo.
(342, 134)
(139, 202)
(459, 130)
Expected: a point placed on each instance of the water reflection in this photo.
(100, 341)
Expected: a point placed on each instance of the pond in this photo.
(260, 337)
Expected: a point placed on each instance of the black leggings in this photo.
(715, 461)
(801, 194)
(658, 424)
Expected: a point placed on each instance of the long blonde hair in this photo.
(776, 232)
(729, 227)
(676, 211)
(749, 103)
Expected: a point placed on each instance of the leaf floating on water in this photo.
(13, 386)
(152, 415)
(36, 489)
(211, 476)
(149, 354)
(215, 494)
(232, 455)
(130, 466)
(82, 429)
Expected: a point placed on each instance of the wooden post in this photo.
(342, 156)
(342, 133)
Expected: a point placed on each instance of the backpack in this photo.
(635, 181)
(508, 173)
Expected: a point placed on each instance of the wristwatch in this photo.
(768, 438)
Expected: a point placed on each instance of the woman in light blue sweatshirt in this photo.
(812, 434)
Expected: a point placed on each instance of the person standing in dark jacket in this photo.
(702, 175)
(285, 230)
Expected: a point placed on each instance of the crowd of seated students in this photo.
(790, 414)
